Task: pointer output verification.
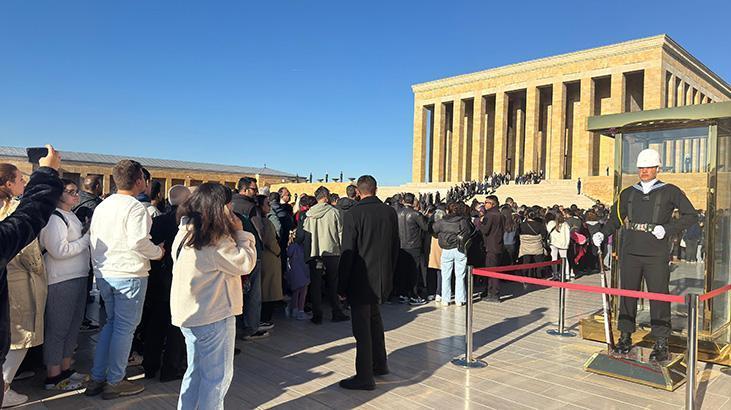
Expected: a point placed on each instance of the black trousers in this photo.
(370, 343)
(655, 271)
(164, 343)
(493, 284)
(412, 273)
(330, 274)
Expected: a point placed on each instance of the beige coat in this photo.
(271, 265)
(28, 288)
(435, 254)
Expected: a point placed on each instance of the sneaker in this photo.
(430, 298)
(417, 301)
(121, 389)
(63, 382)
(13, 398)
(441, 304)
(28, 374)
(460, 304)
(260, 334)
(301, 315)
(403, 300)
(437, 298)
(74, 375)
(266, 325)
(94, 388)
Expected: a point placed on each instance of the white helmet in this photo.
(648, 158)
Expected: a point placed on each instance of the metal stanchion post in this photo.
(692, 352)
(468, 361)
(561, 331)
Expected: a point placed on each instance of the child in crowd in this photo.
(298, 278)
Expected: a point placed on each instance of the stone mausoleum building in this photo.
(77, 165)
(533, 115)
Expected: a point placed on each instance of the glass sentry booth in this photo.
(694, 143)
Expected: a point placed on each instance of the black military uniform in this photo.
(642, 255)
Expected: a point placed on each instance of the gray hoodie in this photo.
(325, 223)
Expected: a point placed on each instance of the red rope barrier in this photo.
(575, 286)
(712, 294)
(511, 268)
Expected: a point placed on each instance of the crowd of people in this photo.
(181, 277)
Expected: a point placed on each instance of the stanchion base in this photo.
(474, 364)
(637, 368)
(726, 370)
(555, 332)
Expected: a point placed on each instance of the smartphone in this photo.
(36, 153)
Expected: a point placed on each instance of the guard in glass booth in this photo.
(644, 213)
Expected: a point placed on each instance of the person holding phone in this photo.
(20, 223)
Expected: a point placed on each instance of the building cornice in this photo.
(662, 41)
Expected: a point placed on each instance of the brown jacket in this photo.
(271, 264)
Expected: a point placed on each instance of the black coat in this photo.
(370, 251)
(19, 229)
(164, 229)
(87, 204)
(492, 231)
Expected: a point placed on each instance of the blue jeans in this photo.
(123, 301)
(210, 364)
(252, 302)
(453, 261)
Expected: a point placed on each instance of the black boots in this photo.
(661, 351)
(625, 343)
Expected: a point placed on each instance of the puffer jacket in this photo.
(450, 228)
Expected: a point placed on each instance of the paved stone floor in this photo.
(299, 366)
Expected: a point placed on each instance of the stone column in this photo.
(558, 131)
(670, 91)
(168, 185)
(654, 93)
(457, 152)
(696, 97)
(702, 154)
(689, 95)
(519, 158)
(582, 162)
(106, 183)
(679, 93)
(479, 138)
(531, 127)
(438, 143)
(418, 160)
(501, 131)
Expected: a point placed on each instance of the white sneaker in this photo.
(12, 398)
(438, 298)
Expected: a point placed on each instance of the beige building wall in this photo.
(649, 73)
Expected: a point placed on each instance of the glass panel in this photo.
(722, 230)
(685, 164)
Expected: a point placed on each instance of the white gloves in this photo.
(598, 238)
(659, 232)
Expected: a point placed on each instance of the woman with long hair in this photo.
(27, 288)
(559, 238)
(210, 254)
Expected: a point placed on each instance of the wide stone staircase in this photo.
(547, 193)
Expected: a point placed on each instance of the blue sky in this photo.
(301, 86)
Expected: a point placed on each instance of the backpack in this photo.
(65, 222)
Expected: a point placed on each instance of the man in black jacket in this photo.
(492, 231)
(159, 333)
(369, 255)
(644, 212)
(89, 198)
(412, 227)
(345, 203)
(23, 226)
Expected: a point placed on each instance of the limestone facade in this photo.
(533, 115)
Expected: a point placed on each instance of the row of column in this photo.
(189, 182)
(679, 92)
(487, 155)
